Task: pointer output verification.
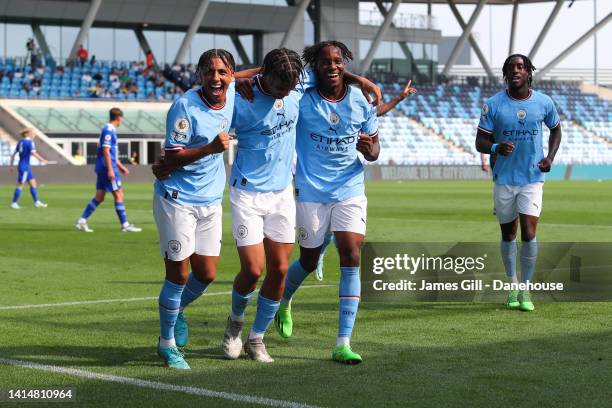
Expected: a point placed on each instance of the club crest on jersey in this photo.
(107, 137)
(278, 104)
(334, 119)
(181, 125)
(485, 109)
(521, 114)
(242, 231)
(224, 123)
(174, 246)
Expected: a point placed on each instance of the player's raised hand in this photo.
(505, 148)
(221, 143)
(244, 86)
(545, 164)
(160, 169)
(408, 90)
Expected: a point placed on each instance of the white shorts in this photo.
(257, 215)
(315, 220)
(185, 230)
(510, 201)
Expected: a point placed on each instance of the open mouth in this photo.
(216, 89)
(333, 75)
(516, 78)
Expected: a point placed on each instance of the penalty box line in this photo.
(134, 299)
(159, 386)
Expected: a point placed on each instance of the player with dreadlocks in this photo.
(510, 128)
(263, 207)
(187, 201)
(329, 184)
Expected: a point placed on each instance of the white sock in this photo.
(343, 341)
(163, 343)
(235, 318)
(253, 335)
(82, 220)
(125, 224)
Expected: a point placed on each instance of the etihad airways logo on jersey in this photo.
(283, 126)
(520, 132)
(333, 144)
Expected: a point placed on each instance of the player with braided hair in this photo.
(329, 184)
(511, 129)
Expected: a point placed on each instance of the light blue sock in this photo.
(350, 291)
(508, 251)
(120, 210)
(295, 276)
(16, 194)
(193, 290)
(239, 304)
(529, 254)
(90, 208)
(266, 309)
(169, 303)
(34, 193)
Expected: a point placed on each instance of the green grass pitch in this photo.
(416, 354)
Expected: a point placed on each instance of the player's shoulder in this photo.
(108, 128)
(498, 97)
(541, 97)
(187, 99)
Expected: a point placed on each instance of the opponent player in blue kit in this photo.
(510, 128)
(25, 149)
(108, 168)
(329, 184)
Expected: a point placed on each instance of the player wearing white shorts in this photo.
(329, 184)
(187, 204)
(511, 129)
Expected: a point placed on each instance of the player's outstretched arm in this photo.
(174, 159)
(367, 87)
(385, 107)
(554, 141)
(247, 73)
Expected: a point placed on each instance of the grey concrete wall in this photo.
(59, 174)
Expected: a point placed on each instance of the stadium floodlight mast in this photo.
(367, 61)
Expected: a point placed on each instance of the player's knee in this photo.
(527, 236)
(309, 264)
(350, 257)
(509, 236)
(251, 272)
(278, 267)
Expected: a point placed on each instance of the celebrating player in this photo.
(329, 184)
(187, 204)
(26, 148)
(108, 167)
(511, 129)
(381, 110)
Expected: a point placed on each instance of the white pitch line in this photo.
(202, 392)
(135, 299)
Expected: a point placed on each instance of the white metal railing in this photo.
(604, 76)
(401, 20)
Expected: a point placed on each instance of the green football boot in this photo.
(283, 322)
(512, 302)
(172, 357)
(524, 298)
(181, 331)
(344, 355)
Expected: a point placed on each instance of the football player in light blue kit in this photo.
(263, 207)
(187, 204)
(511, 129)
(108, 168)
(329, 184)
(25, 149)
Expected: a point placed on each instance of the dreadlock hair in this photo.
(204, 62)
(526, 62)
(283, 64)
(311, 54)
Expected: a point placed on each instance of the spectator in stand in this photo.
(78, 157)
(133, 158)
(82, 54)
(149, 58)
(86, 78)
(36, 86)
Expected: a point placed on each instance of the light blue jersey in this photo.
(265, 129)
(108, 138)
(25, 147)
(193, 122)
(328, 166)
(519, 122)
